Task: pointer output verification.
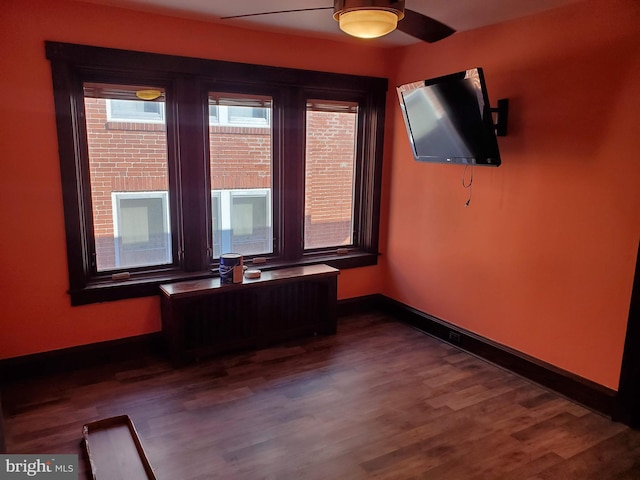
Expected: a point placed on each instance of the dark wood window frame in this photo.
(187, 82)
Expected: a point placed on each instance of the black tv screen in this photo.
(449, 119)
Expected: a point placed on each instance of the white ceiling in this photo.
(458, 14)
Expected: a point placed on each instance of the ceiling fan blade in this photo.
(278, 11)
(423, 27)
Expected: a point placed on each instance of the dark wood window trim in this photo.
(186, 81)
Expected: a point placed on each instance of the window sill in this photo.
(104, 290)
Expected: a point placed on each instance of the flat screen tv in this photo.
(449, 119)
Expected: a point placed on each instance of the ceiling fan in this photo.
(375, 18)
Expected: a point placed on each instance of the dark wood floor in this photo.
(378, 400)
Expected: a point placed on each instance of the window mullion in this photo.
(292, 131)
(193, 184)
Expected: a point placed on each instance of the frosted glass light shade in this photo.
(148, 94)
(368, 23)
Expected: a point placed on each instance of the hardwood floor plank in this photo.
(377, 400)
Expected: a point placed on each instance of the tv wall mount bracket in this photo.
(501, 115)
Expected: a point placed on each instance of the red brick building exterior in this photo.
(132, 157)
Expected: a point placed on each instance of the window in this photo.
(264, 161)
(238, 116)
(216, 226)
(240, 168)
(135, 111)
(142, 236)
(330, 162)
(128, 180)
(250, 222)
(241, 221)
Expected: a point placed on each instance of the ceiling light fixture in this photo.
(148, 94)
(368, 18)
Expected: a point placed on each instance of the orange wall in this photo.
(36, 312)
(543, 258)
(541, 261)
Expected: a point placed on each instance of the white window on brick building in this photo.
(142, 233)
(330, 160)
(135, 111)
(240, 162)
(239, 116)
(241, 221)
(128, 174)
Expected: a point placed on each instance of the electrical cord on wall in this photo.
(469, 184)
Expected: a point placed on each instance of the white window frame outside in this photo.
(225, 198)
(111, 118)
(115, 208)
(224, 119)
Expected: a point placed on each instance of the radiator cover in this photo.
(204, 317)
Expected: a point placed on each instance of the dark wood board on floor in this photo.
(114, 450)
